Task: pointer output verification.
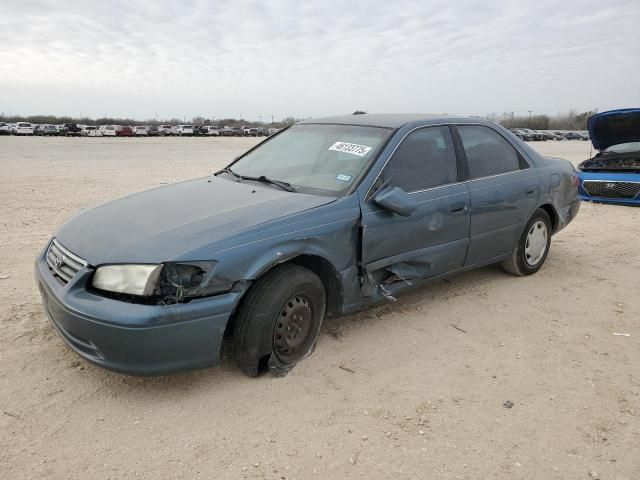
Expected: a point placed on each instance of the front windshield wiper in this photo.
(228, 170)
(263, 179)
(278, 183)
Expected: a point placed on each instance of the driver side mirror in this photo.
(395, 200)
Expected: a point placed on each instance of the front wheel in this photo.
(279, 320)
(532, 248)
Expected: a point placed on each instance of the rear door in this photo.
(433, 240)
(503, 189)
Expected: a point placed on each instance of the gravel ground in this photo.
(414, 389)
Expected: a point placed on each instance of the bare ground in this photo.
(413, 389)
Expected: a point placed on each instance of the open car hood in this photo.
(614, 127)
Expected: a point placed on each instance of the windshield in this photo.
(624, 148)
(313, 158)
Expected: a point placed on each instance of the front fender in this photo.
(329, 232)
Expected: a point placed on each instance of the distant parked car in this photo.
(108, 130)
(5, 128)
(184, 131)
(164, 130)
(613, 175)
(212, 131)
(544, 136)
(199, 130)
(572, 136)
(263, 132)
(237, 131)
(226, 132)
(518, 134)
(140, 130)
(153, 131)
(552, 135)
(91, 131)
(273, 131)
(535, 136)
(124, 131)
(72, 130)
(523, 134)
(46, 130)
(23, 128)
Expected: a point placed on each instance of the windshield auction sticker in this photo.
(352, 148)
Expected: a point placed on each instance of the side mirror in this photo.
(395, 200)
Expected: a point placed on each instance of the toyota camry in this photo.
(322, 218)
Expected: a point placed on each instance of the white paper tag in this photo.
(352, 148)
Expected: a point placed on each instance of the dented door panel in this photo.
(431, 241)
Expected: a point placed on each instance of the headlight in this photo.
(131, 279)
(182, 281)
(168, 283)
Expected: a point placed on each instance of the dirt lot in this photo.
(393, 392)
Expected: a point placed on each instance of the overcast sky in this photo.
(316, 57)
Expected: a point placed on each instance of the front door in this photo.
(399, 251)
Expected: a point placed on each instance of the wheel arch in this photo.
(326, 271)
(553, 215)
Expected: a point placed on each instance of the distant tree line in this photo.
(571, 120)
(230, 122)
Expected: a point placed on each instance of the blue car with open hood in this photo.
(322, 218)
(613, 174)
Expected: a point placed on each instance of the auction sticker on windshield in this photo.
(352, 148)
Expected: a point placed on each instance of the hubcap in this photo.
(293, 326)
(536, 243)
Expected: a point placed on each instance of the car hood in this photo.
(169, 222)
(614, 127)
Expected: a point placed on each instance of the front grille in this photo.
(62, 263)
(615, 189)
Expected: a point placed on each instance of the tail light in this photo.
(576, 181)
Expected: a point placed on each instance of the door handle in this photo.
(531, 190)
(459, 207)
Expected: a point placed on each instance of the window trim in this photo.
(424, 127)
(463, 153)
(452, 126)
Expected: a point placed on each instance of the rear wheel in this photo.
(532, 248)
(278, 322)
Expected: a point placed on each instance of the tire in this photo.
(278, 321)
(532, 248)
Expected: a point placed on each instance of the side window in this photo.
(488, 153)
(425, 159)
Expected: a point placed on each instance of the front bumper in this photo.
(608, 178)
(132, 338)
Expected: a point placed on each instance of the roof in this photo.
(387, 120)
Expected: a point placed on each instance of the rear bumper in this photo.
(131, 338)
